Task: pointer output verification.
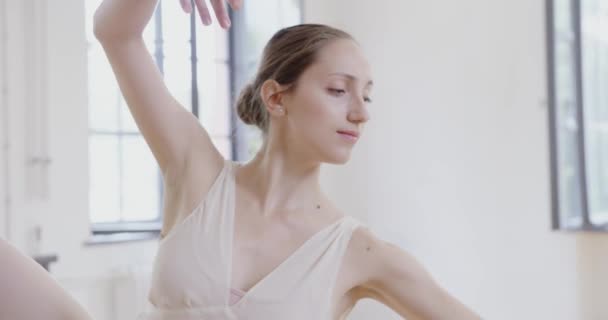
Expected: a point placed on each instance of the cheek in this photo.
(324, 109)
(316, 116)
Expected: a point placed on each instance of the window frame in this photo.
(584, 221)
(121, 231)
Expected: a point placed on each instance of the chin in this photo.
(338, 158)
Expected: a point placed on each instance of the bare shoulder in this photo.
(376, 256)
(368, 252)
(369, 259)
(392, 276)
(363, 246)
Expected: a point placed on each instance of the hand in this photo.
(219, 7)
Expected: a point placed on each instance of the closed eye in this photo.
(337, 90)
(340, 92)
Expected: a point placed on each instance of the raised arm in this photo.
(181, 146)
(173, 133)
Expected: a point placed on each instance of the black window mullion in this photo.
(159, 41)
(193, 63)
(237, 43)
(232, 115)
(552, 116)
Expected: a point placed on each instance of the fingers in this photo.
(203, 12)
(220, 12)
(186, 5)
(235, 4)
(219, 8)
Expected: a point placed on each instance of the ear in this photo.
(272, 95)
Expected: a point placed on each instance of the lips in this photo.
(350, 133)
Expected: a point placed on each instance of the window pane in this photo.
(126, 121)
(570, 200)
(224, 145)
(104, 203)
(277, 14)
(595, 79)
(569, 180)
(176, 52)
(214, 98)
(104, 95)
(290, 12)
(140, 181)
(207, 40)
(149, 34)
(562, 17)
(222, 47)
(213, 80)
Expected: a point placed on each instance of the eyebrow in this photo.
(350, 76)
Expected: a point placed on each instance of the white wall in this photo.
(455, 160)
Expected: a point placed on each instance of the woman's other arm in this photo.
(396, 279)
(27, 291)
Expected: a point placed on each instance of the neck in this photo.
(280, 184)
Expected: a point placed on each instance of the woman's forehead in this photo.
(342, 70)
(342, 58)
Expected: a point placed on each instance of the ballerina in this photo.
(255, 240)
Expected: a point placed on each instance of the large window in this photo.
(578, 91)
(125, 181)
(204, 68)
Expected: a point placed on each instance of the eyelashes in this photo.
(339, 92)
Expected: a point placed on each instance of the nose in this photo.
(358, 113)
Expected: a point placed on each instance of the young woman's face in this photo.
(331, 96)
